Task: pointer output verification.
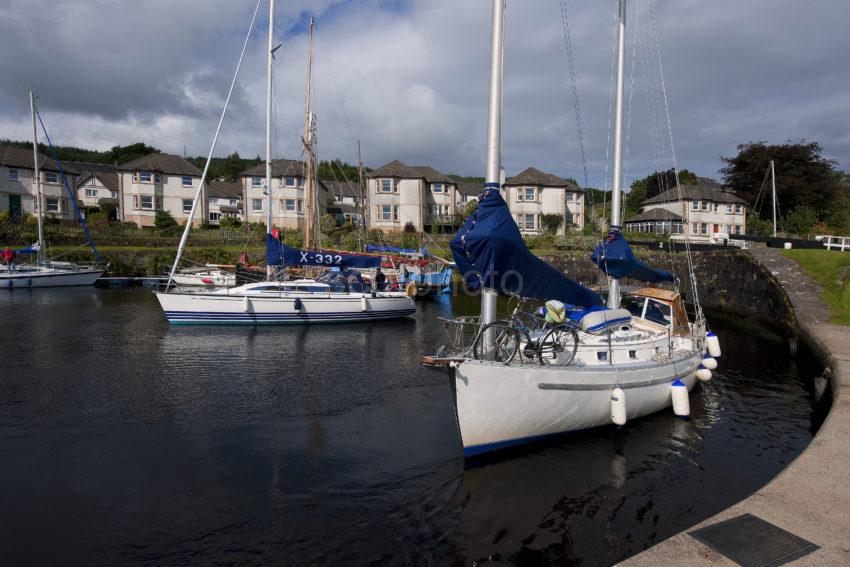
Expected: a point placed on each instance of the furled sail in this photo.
(279, 254)
(614, 256)
(489, 251)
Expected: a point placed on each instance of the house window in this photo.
(292, 205)
(91, 192)
(526, 221)
(233, 202)
(51, 204)
(13, 175)
(728, 209)
(389, 185)
(293, 182)
(694, 228)
(706, 206)
(186, 181)
(214, 217)
(145, 176)
(114, 194)
(703, 229)
(570, 197)
(51, 177)
(146, 201)
(737, 229)
(568, 218)
(438, 188)
(739, 208)
(213, 200)
(389, 213)
(528, 194)
(256, 204)
(256, 182)
(187, 206)
(158, 203)
(437, 210)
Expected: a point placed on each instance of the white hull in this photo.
(499, 405)
(206, 279)
(280, 309)
(48, 277)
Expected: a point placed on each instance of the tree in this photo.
(108, 207)
(327, 224)
(656, 183)
(759, 227)
(551, 222)
(164, 219)
(471, 207)
(800, 221)
(409, 228)
(229, 222)
(804, 178)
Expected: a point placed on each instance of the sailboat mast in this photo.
(269, 79)
(494, 137)
(773, 189)
(616, 190)
(39, 206)
(309, 189)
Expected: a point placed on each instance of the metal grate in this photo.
(752, 542)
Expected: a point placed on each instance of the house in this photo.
(347, 197)
(157, 182)
(224, 199)
(533, 193)
(287, 194)
(96, 181)
(399, 194)
(707, 211)
(466, 193)
(18, 191)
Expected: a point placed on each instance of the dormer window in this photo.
(438, 188)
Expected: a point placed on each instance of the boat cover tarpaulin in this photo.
(27, 250)
(489, 250)
(394, 250)
(279, 254)
(614, 256)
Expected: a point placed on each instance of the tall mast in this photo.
(310, 236)
(37, 180)
(269, 79)
(492, 175)
(773, 187)
(362, 206)
(613, 283)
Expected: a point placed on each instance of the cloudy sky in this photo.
(409, 79)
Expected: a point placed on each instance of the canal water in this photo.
(125, 441)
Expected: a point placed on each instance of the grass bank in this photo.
(831, 269)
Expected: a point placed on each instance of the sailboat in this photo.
(340, 295)
(588, 362)
(45, 272)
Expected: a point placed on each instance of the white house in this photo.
(96, 181)
(157, 182)
(224, 199)
(707, 212)
(533, 193)
(466, 193)
(347, 197)
(18, 191)
(399, 194)
(287, 194)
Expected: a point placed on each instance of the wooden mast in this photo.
(311, 209)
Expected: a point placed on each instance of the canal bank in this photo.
(811, 498)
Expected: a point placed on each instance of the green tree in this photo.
(759, 227)
(800, 221)
(804, 178)
(108, 207)
(471, 207)
(229, 222)
(838, 214)
(551, 222)
(163, 220)
(657, 182)
(328, 224)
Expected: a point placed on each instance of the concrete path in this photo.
(810, 498)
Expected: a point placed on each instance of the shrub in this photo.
(163, 220)
(327, 224)
(409, 228)
(109, 207)
(800, 221)
(551, 222)
(229, 223)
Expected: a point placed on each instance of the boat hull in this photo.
(21, 279)
(499, 406)
(213, 309)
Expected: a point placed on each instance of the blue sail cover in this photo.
(27, 250)
(489, 250)
(614, 256)
(394, 250)
(279, 254)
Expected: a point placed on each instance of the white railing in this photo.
(841, 243)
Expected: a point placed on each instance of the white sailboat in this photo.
(44, 272)
(517, 381)
(338, 296)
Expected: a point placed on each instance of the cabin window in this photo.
(146, 201)
(602, 355)
(91, 192)
(256, 182)
(186, 181)
(256, 204)
(51, 177)
(13, 175)
(51, 204)
(633, 354)
(187, 206)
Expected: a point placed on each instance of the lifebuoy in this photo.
(410, 289)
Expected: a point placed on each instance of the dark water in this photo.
(124, 441)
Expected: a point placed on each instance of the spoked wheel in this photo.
(505, 341)
(558, 346)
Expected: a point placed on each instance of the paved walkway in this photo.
(810, 498)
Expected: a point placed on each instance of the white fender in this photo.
(246, 304)
(364, 303)
(713, 344)
(709, 362)
(681, 404)
(703, 374)
(618, 406)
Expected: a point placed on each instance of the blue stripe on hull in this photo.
(213, 318)
(489, 447)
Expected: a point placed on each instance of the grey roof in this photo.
(532, 176)
(431, 175)
(343, 188)
(654, 215)
(86, 167)
(224, 189)
(109, 179)
(280, 168)
(468, 188)
(396, 169)
(702, 191)
(22, 158)
(161, 163)
(347, 208)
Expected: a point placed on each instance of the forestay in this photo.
(489, 250)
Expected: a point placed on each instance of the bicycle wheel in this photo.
(505, 342)
(558, 346)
